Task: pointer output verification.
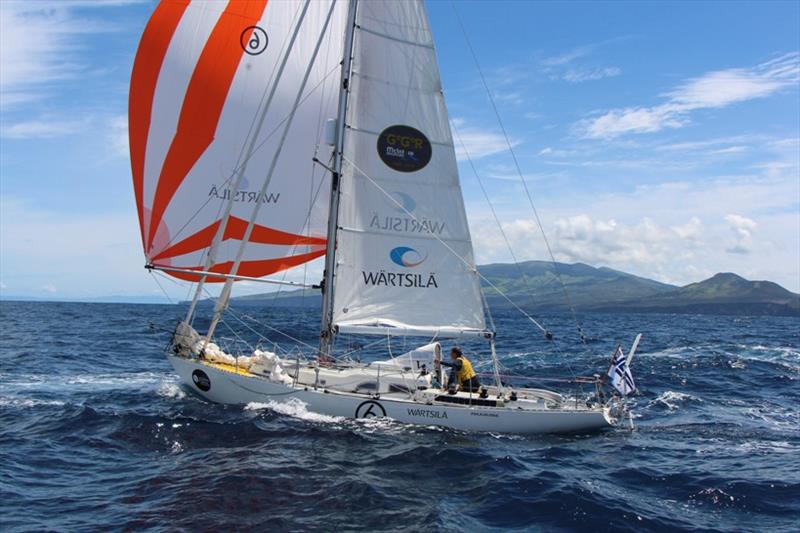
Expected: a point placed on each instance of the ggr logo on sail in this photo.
(404, 148)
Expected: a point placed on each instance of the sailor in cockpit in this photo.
(462, 375)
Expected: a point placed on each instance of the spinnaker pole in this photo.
(326, 329)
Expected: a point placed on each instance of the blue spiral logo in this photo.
(407, 257)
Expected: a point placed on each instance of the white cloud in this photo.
(39, 45)
(725, 87)
(568, 56)
(643, 247)
(678, 232)
(590, 74)
(477, 142)
(43, 47)
(581, 238)
(118, 135)
(633, 120)
(743, 227)
(43, 129)
(564, 67)
(691, 231)
(48, 288)
(712, 90)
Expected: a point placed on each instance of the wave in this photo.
(171, 390)
(781, 350)
(296, 409)
(776, 417)
(767, 447)
(6, 401)
(672, 399)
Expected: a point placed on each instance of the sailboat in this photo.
(264, 135)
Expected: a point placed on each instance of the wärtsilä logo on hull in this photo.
(405, 257)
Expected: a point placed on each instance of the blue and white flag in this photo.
(620, 374)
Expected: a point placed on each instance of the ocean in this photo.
(96, 434)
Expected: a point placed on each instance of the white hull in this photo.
(229, 387)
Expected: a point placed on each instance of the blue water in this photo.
(97, 434)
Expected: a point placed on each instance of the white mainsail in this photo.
(199, 80)
(404, 259)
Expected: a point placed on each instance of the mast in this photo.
(326, 329)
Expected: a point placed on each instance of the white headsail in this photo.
(199, 81)
(404, 260)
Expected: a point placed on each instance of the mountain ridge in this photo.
(534, 286)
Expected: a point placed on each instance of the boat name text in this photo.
(427, 413)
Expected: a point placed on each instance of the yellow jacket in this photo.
(466, 372)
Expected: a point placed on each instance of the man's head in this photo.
(455, 353)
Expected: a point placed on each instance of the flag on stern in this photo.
(620, 374)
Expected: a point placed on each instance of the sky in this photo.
(657, 138)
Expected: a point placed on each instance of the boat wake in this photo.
(171, 389)
(295, 409)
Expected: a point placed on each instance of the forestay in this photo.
(199, 81)
(404, 259)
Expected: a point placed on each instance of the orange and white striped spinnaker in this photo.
(200, 78)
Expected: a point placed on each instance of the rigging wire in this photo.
(469, 265)
(220, 232)
(257, 149)
(462, 259)
(547, 333)
(521, 176)
(257, 333)
(222, 301)
(162, 288)
(207, 253)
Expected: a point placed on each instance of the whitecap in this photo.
(767, 447)
(294, 408)
(171, 390)
(122, 379)
(672, 399)
(28, 402)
